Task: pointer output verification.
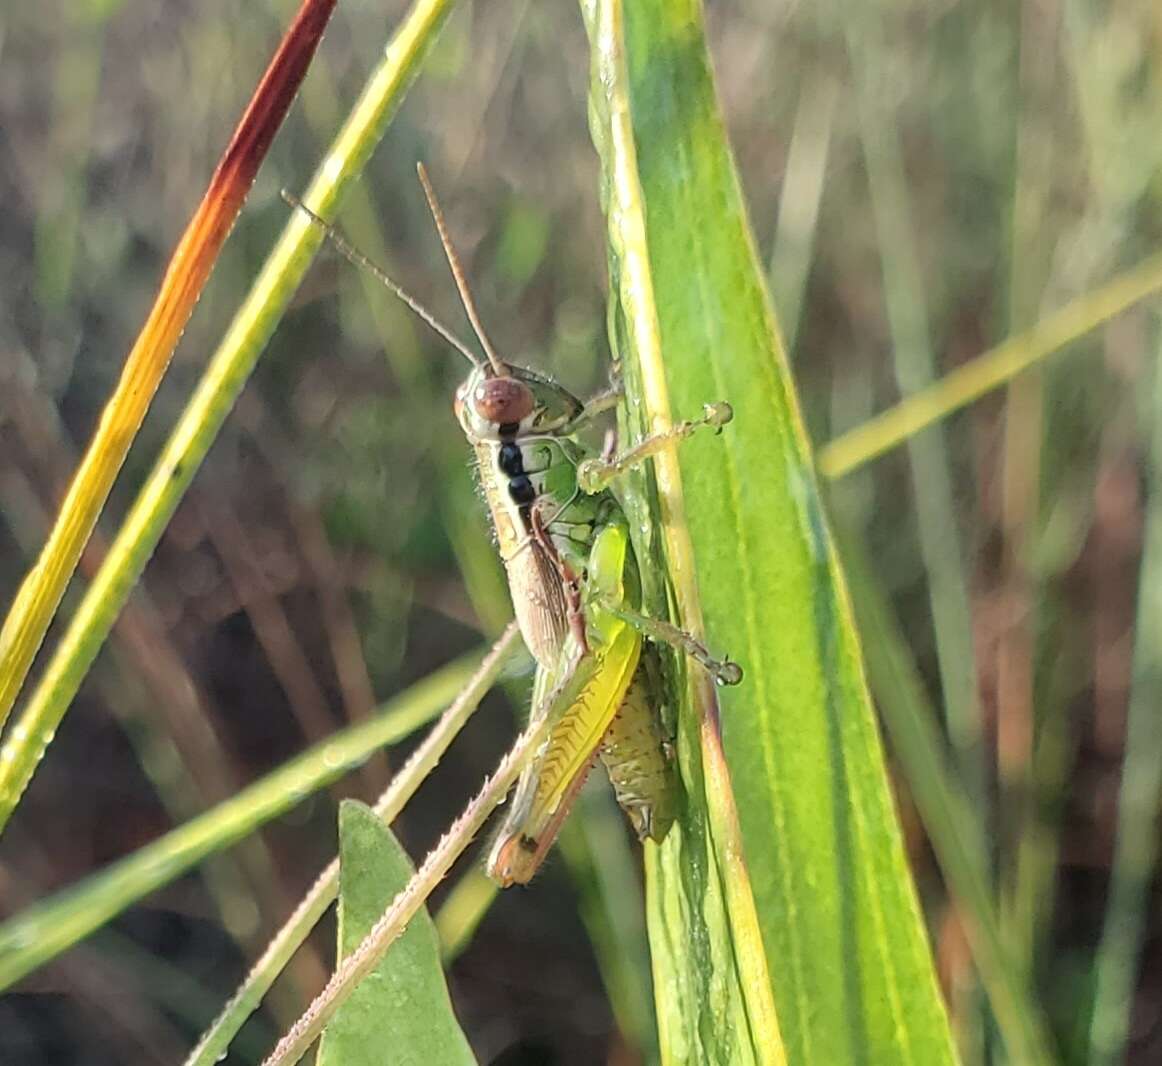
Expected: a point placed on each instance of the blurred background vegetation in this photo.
(924, 179)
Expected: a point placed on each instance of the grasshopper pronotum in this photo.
(564, 541)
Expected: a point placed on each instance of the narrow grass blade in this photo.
(463, 910)
(199, 423)
(914, 362)
(833, 932)
(45, 930)
(607, 878)
(189, 267)
(402, 1012)
(799, 202)
(988, 371)
(1140, 796)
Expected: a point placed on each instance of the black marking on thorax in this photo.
(511, 462)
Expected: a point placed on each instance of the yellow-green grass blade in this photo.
(42, 932)
(840, 944)
(213, 399)
(401, 1012)
(607, 879)
(193, 259)
(990, 370)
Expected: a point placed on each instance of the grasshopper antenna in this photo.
(353, 255)
(498, 368)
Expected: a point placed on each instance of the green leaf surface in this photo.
(400, 1014)
(842, 935)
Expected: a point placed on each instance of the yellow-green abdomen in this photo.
(637, 756)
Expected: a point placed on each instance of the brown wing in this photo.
(539, 602)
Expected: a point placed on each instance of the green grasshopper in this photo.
(564, 541)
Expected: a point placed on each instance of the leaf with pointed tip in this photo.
(401, 1014)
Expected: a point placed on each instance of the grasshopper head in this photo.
(488, 402)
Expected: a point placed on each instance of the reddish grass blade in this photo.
(189, 267)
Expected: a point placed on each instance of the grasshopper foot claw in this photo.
(727, 673)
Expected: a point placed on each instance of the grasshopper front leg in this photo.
(595, 474)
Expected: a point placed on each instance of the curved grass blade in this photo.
(45, 930)
(212, 400)
(841, 931)
(402, 1013)
(189, 267)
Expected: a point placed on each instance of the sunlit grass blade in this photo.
(834, 930)
(994, 368)
(1136, 848)
(189, 267)
(462, 911)
(405, 1006)
(199, 423)
(799, 201)
(30, 939)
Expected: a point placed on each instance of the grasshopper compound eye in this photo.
(502, 400)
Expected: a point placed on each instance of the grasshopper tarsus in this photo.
(717, 415)
(728, 672)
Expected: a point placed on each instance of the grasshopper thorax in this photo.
(494, 407)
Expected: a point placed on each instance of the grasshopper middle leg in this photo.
(724, 671)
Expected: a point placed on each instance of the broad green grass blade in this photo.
(401, 1013)
(43, 931)
(841, 932)
(712, 987)
(212, 401)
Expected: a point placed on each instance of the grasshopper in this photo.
(564, 541)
